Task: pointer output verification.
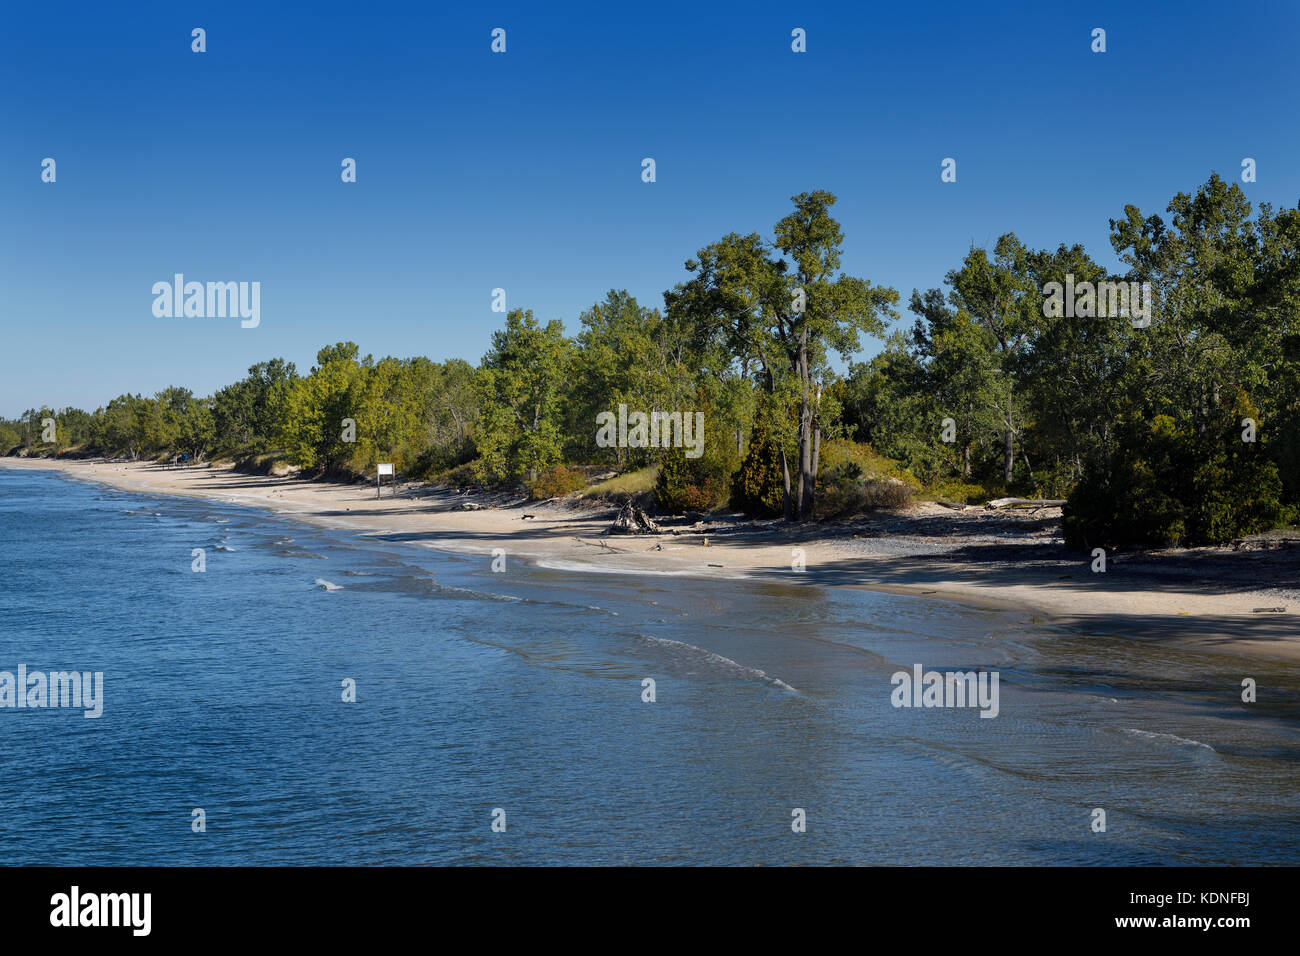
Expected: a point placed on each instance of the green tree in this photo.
(196, 430)
(522, 381)
(785, 307)
(1219, 355)
(759, 488)
(249, 415)
(128, 425)
(626, 354)
(318, 407)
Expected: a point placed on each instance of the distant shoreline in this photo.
(1201, 599)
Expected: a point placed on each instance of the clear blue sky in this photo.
(523, 170)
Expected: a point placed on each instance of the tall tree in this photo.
(522, 380)
(317, 406)
(785, 306)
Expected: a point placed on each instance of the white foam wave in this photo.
(490, 595)
(717, 660)
(1174, 738)
(582, 566)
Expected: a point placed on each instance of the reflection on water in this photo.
(523, 691)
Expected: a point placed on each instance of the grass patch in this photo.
(639, 482)
(840, 457)
(852, 478)
(461, 476)
(957, 492)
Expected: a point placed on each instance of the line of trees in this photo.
(1185, 430)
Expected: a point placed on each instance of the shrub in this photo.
(963, 492)
(852, 478)
(1235, 491)
(439, 459)
(886, 493)
(1126, 507)
(459, 477)
(689, 484)
(555, 482)
(758, 488)
(1169, 485)
(847, 495)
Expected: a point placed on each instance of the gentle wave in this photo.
(426, 586)
(726, 663)
(470, 592)
(1181, 741)
(583, 567)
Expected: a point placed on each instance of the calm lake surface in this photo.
(522, 690)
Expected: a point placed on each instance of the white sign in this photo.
(385, 469)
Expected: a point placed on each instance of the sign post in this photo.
(383, 470)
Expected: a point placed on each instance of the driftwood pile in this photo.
(633, 520)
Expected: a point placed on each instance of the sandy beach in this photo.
(1238, 600)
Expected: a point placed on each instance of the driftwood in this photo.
(633, 520)
(1032, 502)
(954, 506)
(604, 546)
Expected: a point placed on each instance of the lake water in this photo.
(522, 690)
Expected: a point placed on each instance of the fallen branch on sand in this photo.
(1030, 502)
(604, 546)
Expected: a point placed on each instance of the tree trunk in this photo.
(816, 455)
(1008, 455)
(965, 452)
(810, 494)
(805, 434)
(785, 475)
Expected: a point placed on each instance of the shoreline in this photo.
(1200, 599)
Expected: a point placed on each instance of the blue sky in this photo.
(523, 171)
